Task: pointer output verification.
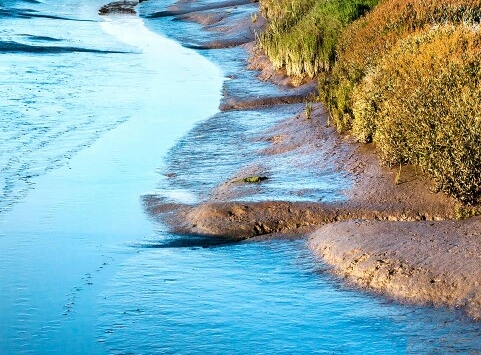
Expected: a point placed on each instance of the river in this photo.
(93, 112)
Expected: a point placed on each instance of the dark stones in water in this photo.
(120, 7)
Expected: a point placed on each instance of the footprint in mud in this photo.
(71, 299)
(102, 266)
(88, 279)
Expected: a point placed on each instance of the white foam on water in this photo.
(179, 70)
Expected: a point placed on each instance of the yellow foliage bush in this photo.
(422, 105)
(405, 75)
(365, 42)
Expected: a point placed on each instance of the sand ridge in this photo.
(430, 262)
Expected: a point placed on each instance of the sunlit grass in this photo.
(422, 105)
(366, 41)
(302, 35)
(400, 73)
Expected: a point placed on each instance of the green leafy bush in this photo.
(366, 41)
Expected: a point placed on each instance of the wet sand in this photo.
(390, 233)
(436, 263)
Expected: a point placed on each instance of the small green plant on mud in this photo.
(464, 212)
(397, 180)
(252, 179)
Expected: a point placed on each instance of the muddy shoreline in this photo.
(390, 233)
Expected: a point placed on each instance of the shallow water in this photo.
(214, 150)
(82, 135)
(261, 298)
(85, 131)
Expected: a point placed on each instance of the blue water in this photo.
(93, 113)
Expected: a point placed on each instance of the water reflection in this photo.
(184, 242)
(82, 269)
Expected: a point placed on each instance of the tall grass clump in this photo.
(302, 34)
(422, 105)
(365, 42)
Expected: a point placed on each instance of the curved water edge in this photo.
(262, 298)
(83, 136)
(83, 270)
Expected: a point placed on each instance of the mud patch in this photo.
(436, 263)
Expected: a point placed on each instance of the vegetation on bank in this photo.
(367, 41)
(422, 105)
(405, 75)
(301, 35)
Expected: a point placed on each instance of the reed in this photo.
(301, 35)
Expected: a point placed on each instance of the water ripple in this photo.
(15, 47)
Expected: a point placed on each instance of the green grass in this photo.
(302, 35)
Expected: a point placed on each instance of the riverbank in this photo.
(378, 203)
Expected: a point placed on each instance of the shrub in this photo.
(365, 42)
(405, 76)
(422, 105)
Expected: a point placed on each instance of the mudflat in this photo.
(390, 233)
(433, 262)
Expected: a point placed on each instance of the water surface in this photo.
(93, 112)
(82, 134)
